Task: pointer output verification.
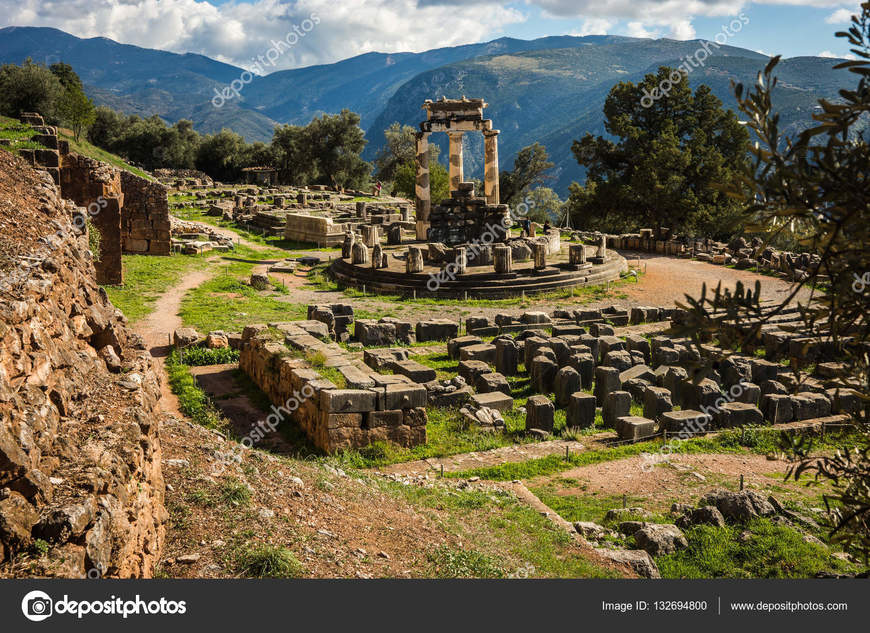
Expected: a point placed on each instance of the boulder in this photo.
(659, 539)
(739, 506)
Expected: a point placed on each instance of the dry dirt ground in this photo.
(337, 524)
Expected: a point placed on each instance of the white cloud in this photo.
(827, 54)
(237, 32)
(594, 26)
(637, 29)
(841, 16)
(682, 30)
(835, 56)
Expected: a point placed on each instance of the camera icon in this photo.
(37, 606)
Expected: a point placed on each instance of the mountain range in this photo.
(549, 90)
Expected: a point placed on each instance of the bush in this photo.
(268, 561)
(203, 356)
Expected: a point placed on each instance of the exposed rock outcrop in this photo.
(81, 487)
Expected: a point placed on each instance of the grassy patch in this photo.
(83, 147)
(226, 303)
(192, 401)
(504, 536)
(267, 561)
(146, 278)
(760, 549)
(203, 356)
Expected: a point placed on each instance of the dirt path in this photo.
(157, 328)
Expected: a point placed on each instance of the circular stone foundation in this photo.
(478, 282)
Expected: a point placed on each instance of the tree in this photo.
(816, 187)
(76, 110)
(667, 166)
(292, 155)
(29, 88)
(66, 75)
(405, 182)
(400, 149)
(107, 128)
(221, 155)
(336, 142)
(543, 205)
(530, 170)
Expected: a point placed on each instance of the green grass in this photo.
(508, 538)
(146, 278)
(771, 551)
(83, 147)
(267, 561)
(19, 134)
(587, 506)
(192, 400)
(226, 303)
(447, 433)
(203, 356)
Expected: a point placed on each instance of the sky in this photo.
(294, 33)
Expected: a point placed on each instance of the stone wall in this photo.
(96, 186)
(372, 407)
(145, 225)
(79, 430)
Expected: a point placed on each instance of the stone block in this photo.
(617, 404)
(685, 422)
(585, 365)
(347, 400)
(634, 428)
(543, 374)
(437, 330)
(494, 400)
(540, 414)
(620, 359)
(581, 410)
(506, 356)
(414, 370)
(471, 369)
(566, 383)
(403, 397)
(656, 401)
(494, 381)
(484, 352)
(455, 344)
(606, 380)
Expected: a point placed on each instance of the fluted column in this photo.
(456, 169)
(424, 202)
(490, 183)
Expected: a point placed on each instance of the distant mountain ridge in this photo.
(549, 90)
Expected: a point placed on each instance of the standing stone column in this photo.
(394, 234)
(577, 254)
(423, 195)
(490, 184)
(602, 247)
(371, 234)
(361, 210)
(461, 260)
(347, 247)
(539, 251)
(503, 259)
(414, 262)
(360, 254)
(377, 256)
(456, 169)
(406, 213)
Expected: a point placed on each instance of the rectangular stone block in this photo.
(581, 410)
(456, 344)
(347, 400)
(635, 428)
(483, 352)
(494, 400)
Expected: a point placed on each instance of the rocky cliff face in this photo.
(81, 488)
